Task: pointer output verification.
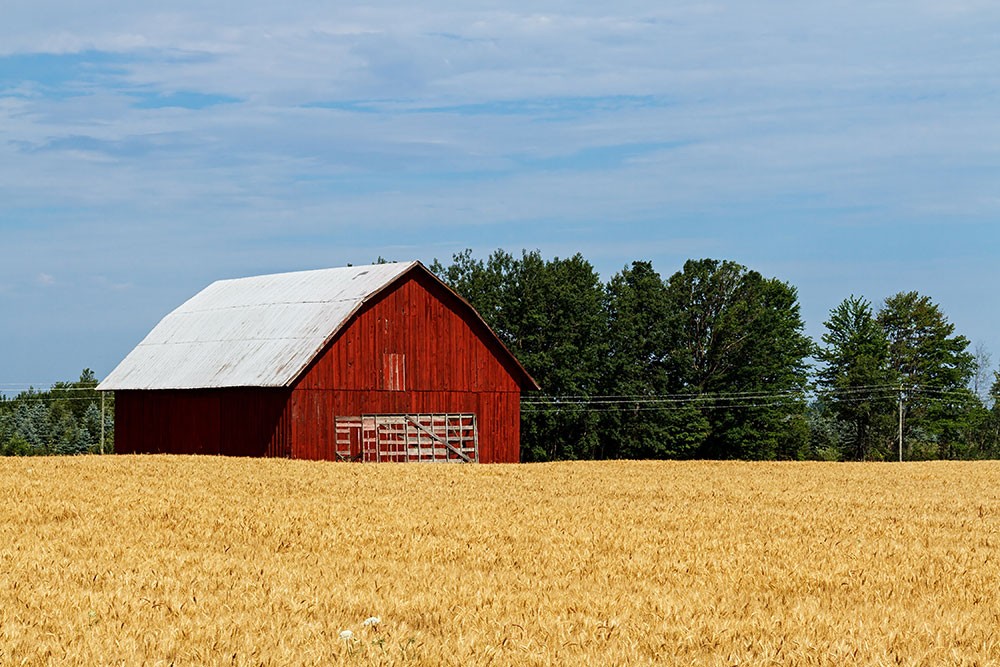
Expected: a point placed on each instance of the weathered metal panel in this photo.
(250, 332)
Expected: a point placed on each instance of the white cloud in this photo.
(557, 126)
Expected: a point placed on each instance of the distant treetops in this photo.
(712, 362)
(65, 419)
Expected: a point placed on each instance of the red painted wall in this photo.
(420, 319)
(415, 348)
(234, 422)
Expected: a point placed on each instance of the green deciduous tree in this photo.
(737, 339)
(660, 423)
(550, 315)
(713, 363)
(560, 321)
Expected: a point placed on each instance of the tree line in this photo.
(713, 362)
(709, 362)
(65, 419)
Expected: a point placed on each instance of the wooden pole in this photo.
(102, 422)
(900, 423)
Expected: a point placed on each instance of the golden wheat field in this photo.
(219, 561)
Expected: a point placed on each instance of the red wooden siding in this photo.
(235, 422)
(427, 354)
(417, 318)
(314, 411)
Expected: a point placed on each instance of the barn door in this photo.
(351, 435)
(429, 438)
(347, 446)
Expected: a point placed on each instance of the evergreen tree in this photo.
(825, 431)
(6, 425)
(90, 429)
(31, 421)
(65, 419)
(856, 380)
(64, 432)
(934, 368)
(991, 423)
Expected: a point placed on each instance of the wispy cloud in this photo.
(223, 138)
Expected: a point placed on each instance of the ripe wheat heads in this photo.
(211, 561)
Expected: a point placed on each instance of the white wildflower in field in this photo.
(372, 621)
(346, 635)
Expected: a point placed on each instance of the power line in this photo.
(737, 399)
(50, 399)
(717, 395)
(35, 389)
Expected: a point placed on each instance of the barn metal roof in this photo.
(251, 332)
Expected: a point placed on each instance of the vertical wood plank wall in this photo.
(452, 364)
(234, 422)
(497, 417)
(443, 350)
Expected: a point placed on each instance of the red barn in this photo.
(372, 363)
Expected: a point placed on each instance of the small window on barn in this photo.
(394, 372)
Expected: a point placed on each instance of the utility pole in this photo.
(102, 422)
(900, 423)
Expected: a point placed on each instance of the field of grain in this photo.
(211, 561)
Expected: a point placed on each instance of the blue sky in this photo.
(147, 149)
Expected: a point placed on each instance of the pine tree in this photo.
(31, 421)
(934, 367)
(90, 431)
(856, 380)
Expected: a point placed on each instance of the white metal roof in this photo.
(250, 332)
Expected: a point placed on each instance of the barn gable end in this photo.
(414, 350)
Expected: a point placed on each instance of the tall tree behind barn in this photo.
(377, 363)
